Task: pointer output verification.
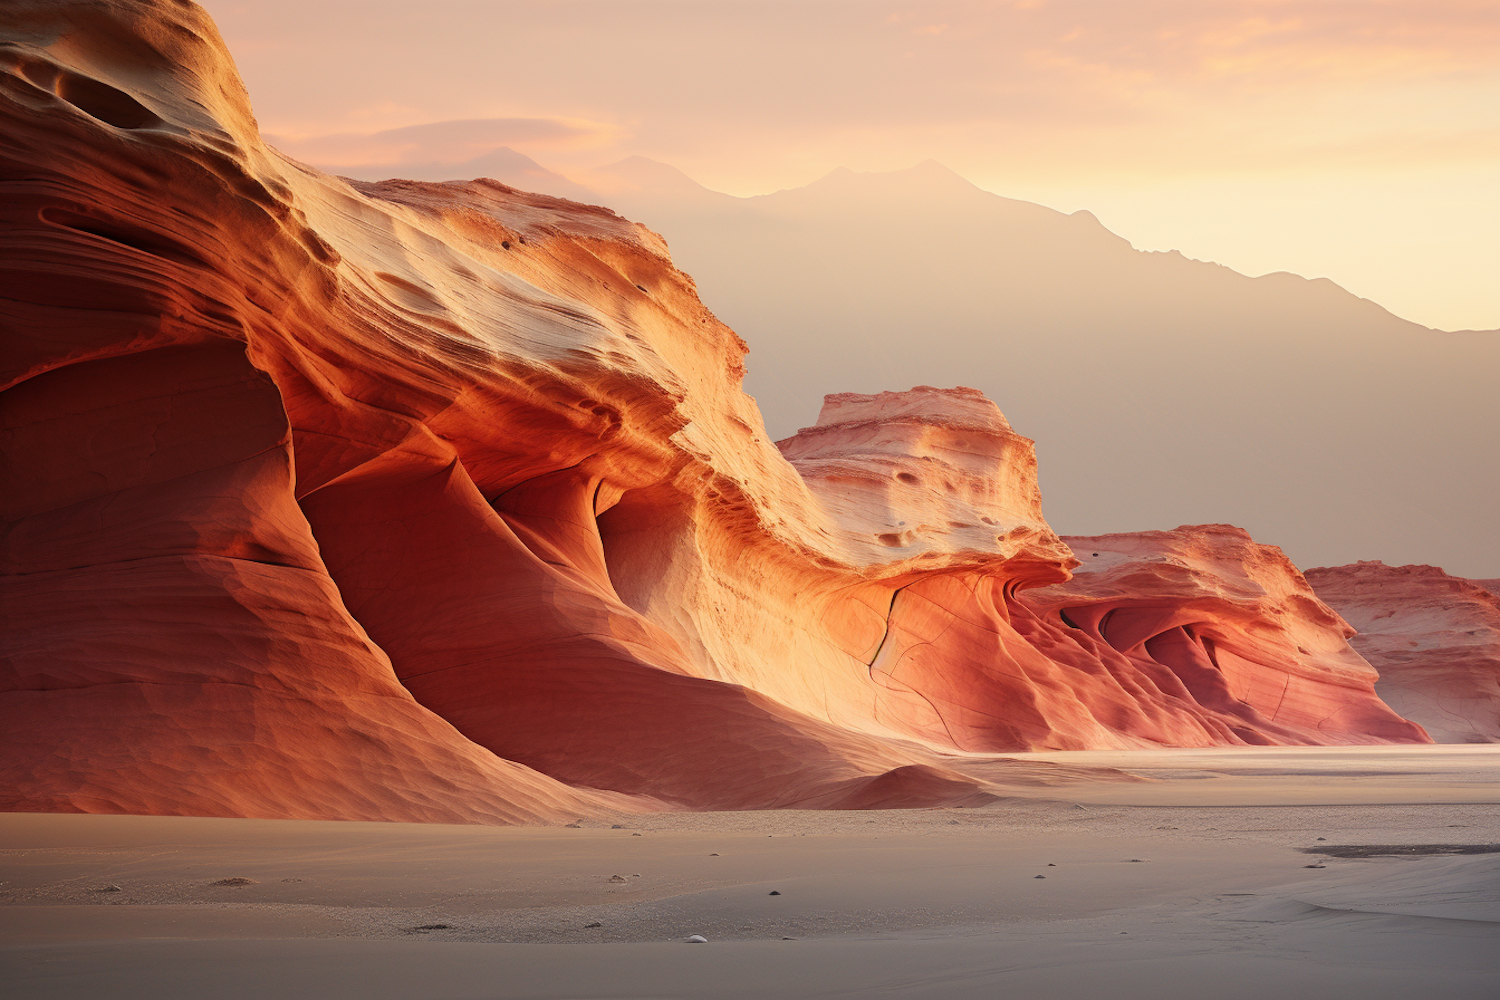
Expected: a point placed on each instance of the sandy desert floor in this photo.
(1359, 872)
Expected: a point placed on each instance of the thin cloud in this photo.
(455, 141)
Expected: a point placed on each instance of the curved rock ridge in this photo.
(1218, 639)
(1434, 638)
(442, 502)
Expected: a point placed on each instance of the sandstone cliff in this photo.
(1434, 638)
(1205, 617)
(443, 502)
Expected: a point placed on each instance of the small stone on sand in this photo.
(697, 939)
(236, 880)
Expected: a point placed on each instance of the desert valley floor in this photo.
(1369, 872)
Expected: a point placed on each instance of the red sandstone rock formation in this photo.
(270, 432)
(442, 502)
(1434, 638)
(1204, 622)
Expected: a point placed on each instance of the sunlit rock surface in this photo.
(1434, 638)
(442, 502)
(1204, 618)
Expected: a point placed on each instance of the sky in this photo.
(1358, 141)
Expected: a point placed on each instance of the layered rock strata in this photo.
(442, 502)
(1204, 616)
(307, 478)
(1434, 638)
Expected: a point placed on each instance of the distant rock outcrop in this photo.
(1434, 638)
(1193, 637)
(442, 502)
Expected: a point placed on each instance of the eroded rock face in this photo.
(442, 502)
(174, 641)
(288, 452)
(1218, 639)
(1434, 638)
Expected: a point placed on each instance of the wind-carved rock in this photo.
(1434, 638)
(917, 478)
(1217, 639)
(940, 496)
(442, 502)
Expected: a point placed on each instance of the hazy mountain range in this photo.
(1160, 390)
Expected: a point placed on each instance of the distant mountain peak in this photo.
(641, 175)
(927, 171)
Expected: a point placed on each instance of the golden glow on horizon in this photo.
(1324, 125)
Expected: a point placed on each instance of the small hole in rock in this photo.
(101, 101)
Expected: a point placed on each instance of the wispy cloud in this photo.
(455, 141)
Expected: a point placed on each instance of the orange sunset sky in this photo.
(1358, 141)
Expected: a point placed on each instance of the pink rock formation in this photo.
(245, 400)
(442, 502)
(1205, 618)
(1434, 638)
